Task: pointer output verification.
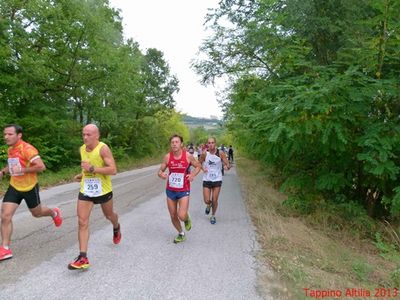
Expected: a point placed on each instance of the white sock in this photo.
(182, 233)
(6, 247)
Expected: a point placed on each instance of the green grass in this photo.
(333, 247)
(362, 270)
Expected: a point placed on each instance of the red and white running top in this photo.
(178, 169)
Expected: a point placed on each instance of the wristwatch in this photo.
(91, 169)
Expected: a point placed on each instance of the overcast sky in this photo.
(174, 27)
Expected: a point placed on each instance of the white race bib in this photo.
(92, 187)
(212, 174)
(176, 180)
(14, 163)
(213, 171)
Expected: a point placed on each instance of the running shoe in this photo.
(58, 218)
(5, 253)
(213, 220)
(117, 234)
(179, 238)
(208, 208)
(80, 263)
(188, 223)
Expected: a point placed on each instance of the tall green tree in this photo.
(64, 64)
(315, 93)
(159, 85)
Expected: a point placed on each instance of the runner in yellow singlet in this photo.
(97, 163)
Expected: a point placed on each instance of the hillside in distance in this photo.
(205, 122)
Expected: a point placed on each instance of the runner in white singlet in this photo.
(213, 161)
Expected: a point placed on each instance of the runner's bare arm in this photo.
(3, 171)
(163, 167)
(36, 166)
(110, 167)
(225, 160)
(201, 160)
(196, 165)
(78, 177)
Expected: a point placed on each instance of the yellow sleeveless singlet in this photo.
(93, 184)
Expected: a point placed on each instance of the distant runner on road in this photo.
(213, 161)
(178, 162)
(97, 163)
(230, 154)
(199, 151)
(24, 163)
(191, 149)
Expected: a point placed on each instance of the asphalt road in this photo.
(215, 262)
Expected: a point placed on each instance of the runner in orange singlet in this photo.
(24, 163)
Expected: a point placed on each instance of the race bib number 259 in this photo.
(92, 187)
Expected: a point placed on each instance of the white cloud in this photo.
(174, 27)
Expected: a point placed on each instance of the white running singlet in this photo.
(213, 164)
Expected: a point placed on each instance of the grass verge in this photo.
(321, 252)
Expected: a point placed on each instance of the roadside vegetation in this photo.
(49, 178)
(64, 64)
(314, 100)
(332, 248)
(314, 95)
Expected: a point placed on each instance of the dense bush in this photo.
(64, 64)
(315, 94)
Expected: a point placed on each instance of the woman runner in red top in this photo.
(178, 162)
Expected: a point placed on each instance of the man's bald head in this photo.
(91, 135)
(92, 128)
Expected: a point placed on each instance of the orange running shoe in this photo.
(117, 235)
(58, 218)
(5, 253)
(80, 263)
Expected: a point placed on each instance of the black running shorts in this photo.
(31, 197)
(212, 184)
(96, 200)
